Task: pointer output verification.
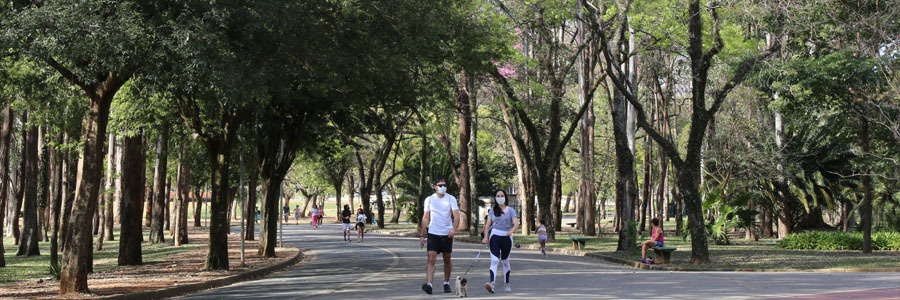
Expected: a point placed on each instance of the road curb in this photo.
(651, 267)
(211, 284)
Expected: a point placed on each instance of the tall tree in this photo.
(159, 204)
(28, 245)
(133, 179)
(688, 167)
(6, 132)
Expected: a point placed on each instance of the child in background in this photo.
(542, 237)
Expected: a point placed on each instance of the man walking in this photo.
(442, 216)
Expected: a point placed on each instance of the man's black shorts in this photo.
(440, 243)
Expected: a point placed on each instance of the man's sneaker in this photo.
(489, 287)
(447, 288)
(426, 288)
(507, 288)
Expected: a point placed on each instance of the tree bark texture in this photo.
(28, 245)
(110, 187)
(464, 113)
(77, 252)
(157, 218)
(183, 192)
(251, 204)
(6, 132)
(133, 180)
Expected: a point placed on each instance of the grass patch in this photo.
(742, 254)
(35, 267)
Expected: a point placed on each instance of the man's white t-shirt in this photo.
(441, 218)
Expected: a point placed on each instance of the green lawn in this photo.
(763, 254)
(21, 268)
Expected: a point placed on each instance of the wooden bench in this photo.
(571, 224)
(578, 242)
(663, 254)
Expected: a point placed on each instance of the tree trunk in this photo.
(395, 219)
(6, 133)
(337, 197)
(352, 188)
(148, 204)
(157, 219)
(110, 187)
(198, 208)
(77, 254)
(465, 130)
(782, 194)
(422, 186)
(379, 202)
(586, 212)
(28, 245)
(689, 186)
(118, 184)
(133, 181)
(268, 232)
(556, 199)
(645, 202)
(70, 173)
(183, 193)
(866, 209)
(55, 200)
(251, 204)
(626, 189)
(19, 187)
(168, 204)
(217, 255)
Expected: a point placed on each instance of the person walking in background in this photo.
(314, 215)
(286, 210)
(360, 225)
(442, 216)
(345, 219)
(321, 215)
(499, 228)
(542, 237)
(297, 214)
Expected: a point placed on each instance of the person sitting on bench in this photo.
(656, 239)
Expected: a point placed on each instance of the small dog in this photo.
(461, 290)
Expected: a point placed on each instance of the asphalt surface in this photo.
(390, 267)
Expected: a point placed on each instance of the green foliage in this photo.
(834, 240)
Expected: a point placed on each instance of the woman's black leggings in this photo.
(500, 247)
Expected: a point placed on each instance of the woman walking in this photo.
(498, 231)
(314, 215)
(360, 225)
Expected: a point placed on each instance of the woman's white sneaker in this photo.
(489, 287)
(507, 288)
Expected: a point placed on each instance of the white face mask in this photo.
(441, 190)
(501, 200)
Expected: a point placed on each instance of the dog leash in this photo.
(474, 262)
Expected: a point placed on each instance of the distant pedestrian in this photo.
(345, 218)
(314, 215)
(257, 215)
(360, 225)
(542, 237)
(286, 210)
(297, 214)
(499, 229)
(321, 215)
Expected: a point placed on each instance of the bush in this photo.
(827, 240)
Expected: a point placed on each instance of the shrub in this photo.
(827, 240)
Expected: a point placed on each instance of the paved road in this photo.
(389, 267)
